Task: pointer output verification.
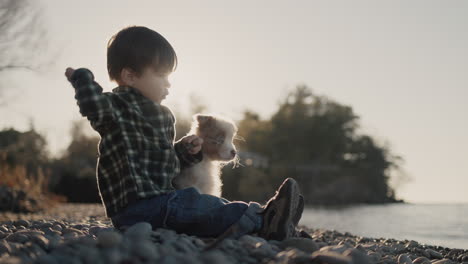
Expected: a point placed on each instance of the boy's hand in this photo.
(69, 72)
(194, 142)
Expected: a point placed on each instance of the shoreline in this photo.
(78, 231)
(431, 224)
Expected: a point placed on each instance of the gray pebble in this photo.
(444, 261)
(338, 249)
(15, 246)
(421, 260)
(404, 259)
(434, 254)
(386, 249)
(94, 230)
(177, 259)
(4, 247)
(11, 260)
(90, 255)
(229, 243)
(109, 239)
(364, 240)
(399, 248)
(40, 240)
(463, 257)
(33, 250)
(166, 250)
(70, 236)
(57, 227)
(374, 256)
(54, 240)
(139, 230)
(184, 246)
(321, 244)
(46, 259)
(17, 237)
(251, 241)
(422, 252)
(145, 249)
(49, 231)
(28, 232)
(199, 243)
(21, 222)
(357, 256)
(60, 223)
(215, 256)
(304, 244)
(70, 230)
(45, 225)
(78, 226)
(331, 257)
(111, 255)
(263, 250)
(412, 244)
(275, 242)
(60, 257)
(165, 234)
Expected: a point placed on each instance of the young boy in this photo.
(137, 156)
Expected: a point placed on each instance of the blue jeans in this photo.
(188, 211)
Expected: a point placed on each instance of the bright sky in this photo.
(402, 65)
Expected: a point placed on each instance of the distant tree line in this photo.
(314, 140)
(72, 175)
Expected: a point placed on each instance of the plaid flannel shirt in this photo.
(137, 156)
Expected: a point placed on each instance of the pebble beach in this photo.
(80, 233)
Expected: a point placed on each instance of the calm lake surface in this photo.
(432, 224)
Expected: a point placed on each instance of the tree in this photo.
(74, 174)
(314, 139)
(25, 149)
(22, 34)
(24, 172)
(320, 126)
(257, 130)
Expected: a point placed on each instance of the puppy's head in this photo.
(218, 134)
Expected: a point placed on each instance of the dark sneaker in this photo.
(299, 232)
(297, 217)
(281, 212)
(300, 208)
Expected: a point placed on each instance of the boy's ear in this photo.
(127, 76)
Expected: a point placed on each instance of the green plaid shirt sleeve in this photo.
(137, 157)
(93, 104)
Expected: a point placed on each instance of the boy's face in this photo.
(152, 84)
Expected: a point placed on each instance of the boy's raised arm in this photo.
(93, 104)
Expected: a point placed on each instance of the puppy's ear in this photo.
(204, 120)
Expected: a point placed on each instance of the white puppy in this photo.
(218, 150)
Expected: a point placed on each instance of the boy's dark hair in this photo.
(136, 48)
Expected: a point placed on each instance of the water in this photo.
(432, 224)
